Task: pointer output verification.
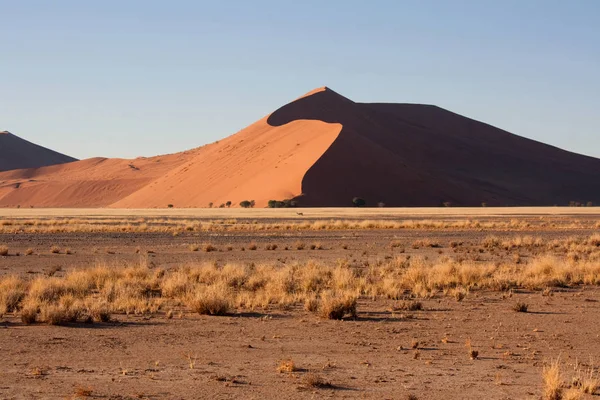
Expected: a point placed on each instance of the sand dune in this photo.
(16, 153)
(322, 150)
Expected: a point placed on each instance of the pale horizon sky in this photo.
(141, 78)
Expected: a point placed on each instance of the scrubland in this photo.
(346, 308)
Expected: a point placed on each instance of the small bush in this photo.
(286, 366)
(333, 307)
(211, 301)
(209, 248)
(317, 382)
(520, 307)
(358, 202)
(194, 247)
(55, 250)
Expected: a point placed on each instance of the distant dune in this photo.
(16, 153)
(323, 150)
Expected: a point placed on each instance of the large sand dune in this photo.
(322, 150)
(16, 153)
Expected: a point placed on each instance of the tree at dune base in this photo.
(358, 202)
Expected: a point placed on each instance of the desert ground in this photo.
(378, 303)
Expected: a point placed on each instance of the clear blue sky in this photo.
(130, 78)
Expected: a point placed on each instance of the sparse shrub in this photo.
(299, 246)
(55, 250)
(311, 303)
(194, 247)
(246, 204)
(410, 306)
(3, 251)
(211, 300)
(316, 381)
(271, 247)
(228, 204)
(288, 203)
(520, 307)
(336, 307)
(358, 202)
(209, 248)
(29, 252)
(553, 381)
(286, 366)
(316, 246)
(29, 313)
(252, 246)
(169, 205)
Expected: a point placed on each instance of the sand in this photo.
(322, 150)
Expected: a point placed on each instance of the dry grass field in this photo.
(306, 303)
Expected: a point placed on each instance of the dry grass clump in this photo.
(211, 301)
(194, 247)
(299, 245)
(520, 307)
(287, 366)
(336, 306)
(410, 306)
(271, 246)
(29, 252)
(316, 381)
(252, 246)
(316, 246)
(553, 381)
(3, 251)
(208, 247)
(420, 243)
(55, 250)
(12, 292)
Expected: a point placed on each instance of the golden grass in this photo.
(3, 251)
(178, 225)
(553, 381)
(331, 291)
(287, 366)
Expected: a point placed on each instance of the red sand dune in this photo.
(322, 150)
(16, 153)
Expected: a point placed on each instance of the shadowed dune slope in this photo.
(422, 155)
(323, 149)
(16, 153)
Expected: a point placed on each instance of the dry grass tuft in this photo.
(194, 247)
(287, 366)
(208, 247)
(337, 307)
(211, 300)
(317, 381)
(29, 252)
(410, 306)
(520, 307)
(3, 251)
(553, 381)
(55, 250)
